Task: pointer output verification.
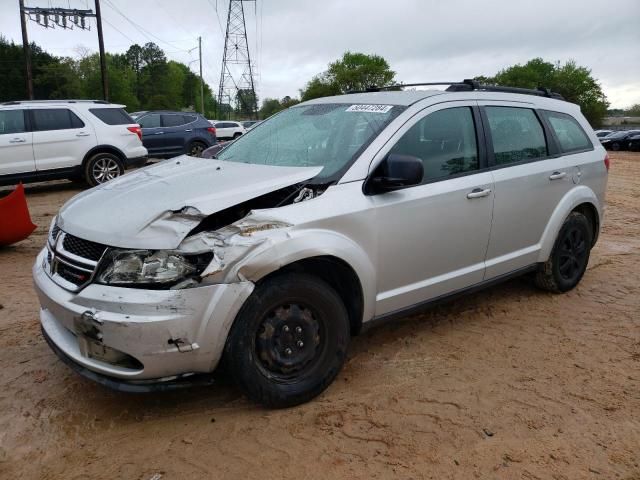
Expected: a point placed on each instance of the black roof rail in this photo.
(468, 85)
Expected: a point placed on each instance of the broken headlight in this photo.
(155, 269)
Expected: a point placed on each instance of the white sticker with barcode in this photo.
(370, 108)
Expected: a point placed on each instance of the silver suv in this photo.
(331, 215)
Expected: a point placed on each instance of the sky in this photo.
(423, 40)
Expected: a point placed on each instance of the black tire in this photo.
(236, 135)
(615, 146)
(101, 168)
(569, 257)
(195, 149)
(289, 340)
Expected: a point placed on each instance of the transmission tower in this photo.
(236, 78)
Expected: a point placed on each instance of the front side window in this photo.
(569, 132)
(47, 119)
(517, 135)
(326, 135)
(445, 141)
(172, 120)
(12, 121)
(150, 121)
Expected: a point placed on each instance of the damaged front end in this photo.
(137, 321)
(232, 235)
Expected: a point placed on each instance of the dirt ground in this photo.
(507, 383)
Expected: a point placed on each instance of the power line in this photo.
(144, 32)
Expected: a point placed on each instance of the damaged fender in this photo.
(258, 245)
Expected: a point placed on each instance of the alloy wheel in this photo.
(105, 169)
(573, 253)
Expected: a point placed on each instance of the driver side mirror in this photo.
(394, 173)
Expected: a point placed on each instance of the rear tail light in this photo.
(211, 130)
(607, 162)
(137, 130)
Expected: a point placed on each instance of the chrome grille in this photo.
(83, 248)
(72, 261)
(53, 235)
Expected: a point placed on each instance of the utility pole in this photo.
(27, 51)
(201, 81)
(236, 53)
(67, 19)
(103, 60)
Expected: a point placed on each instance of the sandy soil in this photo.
(508, 383)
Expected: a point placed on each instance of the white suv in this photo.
(77, 139)
(332, 215)
(228, 129)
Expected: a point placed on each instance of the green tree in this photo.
(634, 110)
(354, 71)
(271, 106)
(358, 71)
(573, 82)
(319, 86)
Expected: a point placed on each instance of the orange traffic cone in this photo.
(15, 221)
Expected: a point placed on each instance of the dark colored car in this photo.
(168, 134)
(634, 143)
(212, 152)
(618, 140)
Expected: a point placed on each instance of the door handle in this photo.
(478, 193)
(189, 130)
(82, 134)
(159, 133)
(557, 175)
(17, 140)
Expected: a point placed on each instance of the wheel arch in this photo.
(104, 149)
(581, 199)
(339, 275)
(333, 257)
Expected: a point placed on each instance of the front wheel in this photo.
(289, 340)
(101, 168)
(569, 257)
(615, 146)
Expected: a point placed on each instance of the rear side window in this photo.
(445, 141)
(149, 121)
(517, 135)
(172, 120)
(569, 132)
(190, 118)
(46, 119)
(112, 116)
(12, 121)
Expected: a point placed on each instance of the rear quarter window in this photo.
(112, 116)
(568, 131)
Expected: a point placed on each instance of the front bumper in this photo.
(138, 335)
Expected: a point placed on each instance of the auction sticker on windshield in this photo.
(370, 108)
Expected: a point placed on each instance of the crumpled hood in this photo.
(156, 207)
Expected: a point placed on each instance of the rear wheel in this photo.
(289, 341)
(101, 168)
(569, 257)
(615, 146)
(196, 148)
(236, 135)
